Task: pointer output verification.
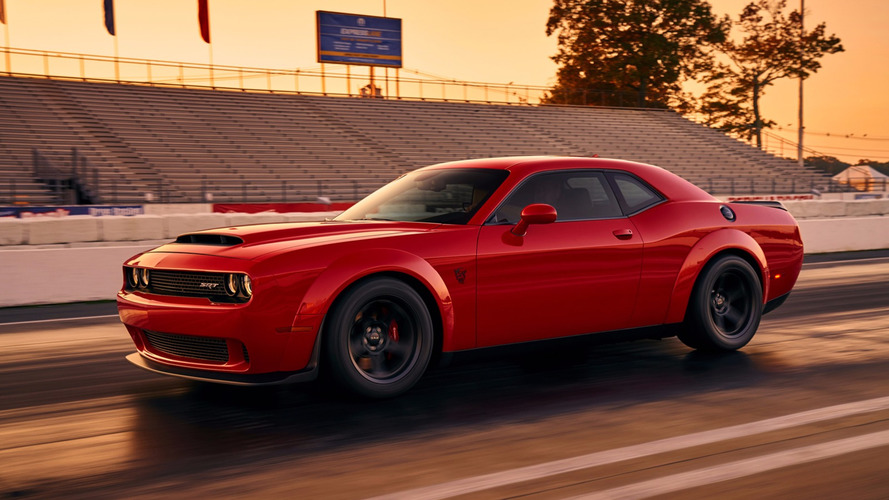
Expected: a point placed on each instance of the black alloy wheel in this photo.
(379, 339)
(725, 306)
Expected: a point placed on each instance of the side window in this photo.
(576, 195)
(637, 196)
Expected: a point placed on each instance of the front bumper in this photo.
(274, 378)
(193, 338)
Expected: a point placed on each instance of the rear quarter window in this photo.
(636, 194)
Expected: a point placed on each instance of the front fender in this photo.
(348, 269)
(703, 251)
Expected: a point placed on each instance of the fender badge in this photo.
(460, 274)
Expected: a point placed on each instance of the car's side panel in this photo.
(778, 235)
(702, 252)
(669, 231)
(560, 279)
(681, 237)
(446, 270)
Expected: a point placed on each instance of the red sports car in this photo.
(460, 256)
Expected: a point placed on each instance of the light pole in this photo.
(802, 34)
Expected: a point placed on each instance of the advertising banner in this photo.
(283, 208)
(64, 211)
(360, 40)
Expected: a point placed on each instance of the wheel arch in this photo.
(418, 286)
(353, 270)
(708, 248)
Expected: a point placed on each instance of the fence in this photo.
(328, 80)
(759, 185)
(222, 191)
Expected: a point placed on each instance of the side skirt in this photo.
(563, 344)
(774, 303)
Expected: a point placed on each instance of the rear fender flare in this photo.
(723, 240)
(348, 269)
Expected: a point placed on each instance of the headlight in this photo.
(143, 278)
(231, 284)
(247, 285)
(132, 274)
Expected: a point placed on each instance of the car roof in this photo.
(670, 184)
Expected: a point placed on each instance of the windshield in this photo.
(449, 196)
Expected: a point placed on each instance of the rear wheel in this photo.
(379, 339)
(725, 306)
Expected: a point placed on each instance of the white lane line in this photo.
(531, 472)
(36, 321)
(741, 468)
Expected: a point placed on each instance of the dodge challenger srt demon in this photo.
(460, 256)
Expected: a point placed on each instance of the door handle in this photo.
(623, 234)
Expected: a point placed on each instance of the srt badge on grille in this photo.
(208, 285)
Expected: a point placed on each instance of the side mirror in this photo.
(538, 213)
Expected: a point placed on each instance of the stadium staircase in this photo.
(179, 145)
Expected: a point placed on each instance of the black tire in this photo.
(725, 306)
(378, 339)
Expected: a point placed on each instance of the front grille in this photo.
(189, 346)
(188, 284)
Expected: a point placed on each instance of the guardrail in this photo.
(340, 80)
(775, 185)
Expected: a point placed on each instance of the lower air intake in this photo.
(188, 346)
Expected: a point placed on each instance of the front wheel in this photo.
(725, 306)
(379, 338)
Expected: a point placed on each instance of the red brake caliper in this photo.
(393, 331)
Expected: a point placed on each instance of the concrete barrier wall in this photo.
(92, 271)
(847, 234)
(79, 229)
(59, 275)
(819, 209)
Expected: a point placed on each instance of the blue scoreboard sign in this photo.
(362, 40)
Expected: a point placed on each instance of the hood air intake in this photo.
(210, 239)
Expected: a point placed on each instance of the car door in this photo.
(577, 275)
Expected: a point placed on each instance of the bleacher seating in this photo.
(180, 144)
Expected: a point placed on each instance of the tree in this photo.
(770, 46)
(630, 52)
(828, 164)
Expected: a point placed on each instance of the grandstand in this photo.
(136, 143)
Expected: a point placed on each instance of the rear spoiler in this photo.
(766, 203)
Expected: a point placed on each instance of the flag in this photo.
(2, 12)
(109, 16)
(204, 19)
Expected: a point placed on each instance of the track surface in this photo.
(802, 412)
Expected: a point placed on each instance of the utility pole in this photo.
(802, 34)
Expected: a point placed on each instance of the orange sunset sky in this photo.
(487, 41)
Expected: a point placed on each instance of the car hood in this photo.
(256, 241)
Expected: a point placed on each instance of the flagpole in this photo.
(204, 23)
(212, 79)
(8, 63)
(3, 17)
(116, 61)
(108, 6)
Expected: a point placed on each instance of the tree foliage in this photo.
(768, 46)
(828, 164)
(630, 52)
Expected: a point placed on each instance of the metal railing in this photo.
(815, 185)
(231, 191)
(336, 80)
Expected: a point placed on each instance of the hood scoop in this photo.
(221, 240)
